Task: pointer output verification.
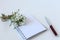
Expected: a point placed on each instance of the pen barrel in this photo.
(54, 31)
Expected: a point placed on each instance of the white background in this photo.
(37, 8)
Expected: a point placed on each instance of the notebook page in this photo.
(32, 27)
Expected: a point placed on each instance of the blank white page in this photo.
(32, 27)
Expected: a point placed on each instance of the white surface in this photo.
(38, 8)
(32, 27)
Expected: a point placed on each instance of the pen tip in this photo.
(49, 23)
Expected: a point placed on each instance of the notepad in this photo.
(32, 27)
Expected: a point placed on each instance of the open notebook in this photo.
(32, 27)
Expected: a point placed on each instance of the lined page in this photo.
(32, 27)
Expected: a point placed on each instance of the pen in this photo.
(51, 26)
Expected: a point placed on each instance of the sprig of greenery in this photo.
(15, 18)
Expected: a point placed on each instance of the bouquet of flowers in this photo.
(15, 18)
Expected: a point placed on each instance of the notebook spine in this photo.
(21, 34)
